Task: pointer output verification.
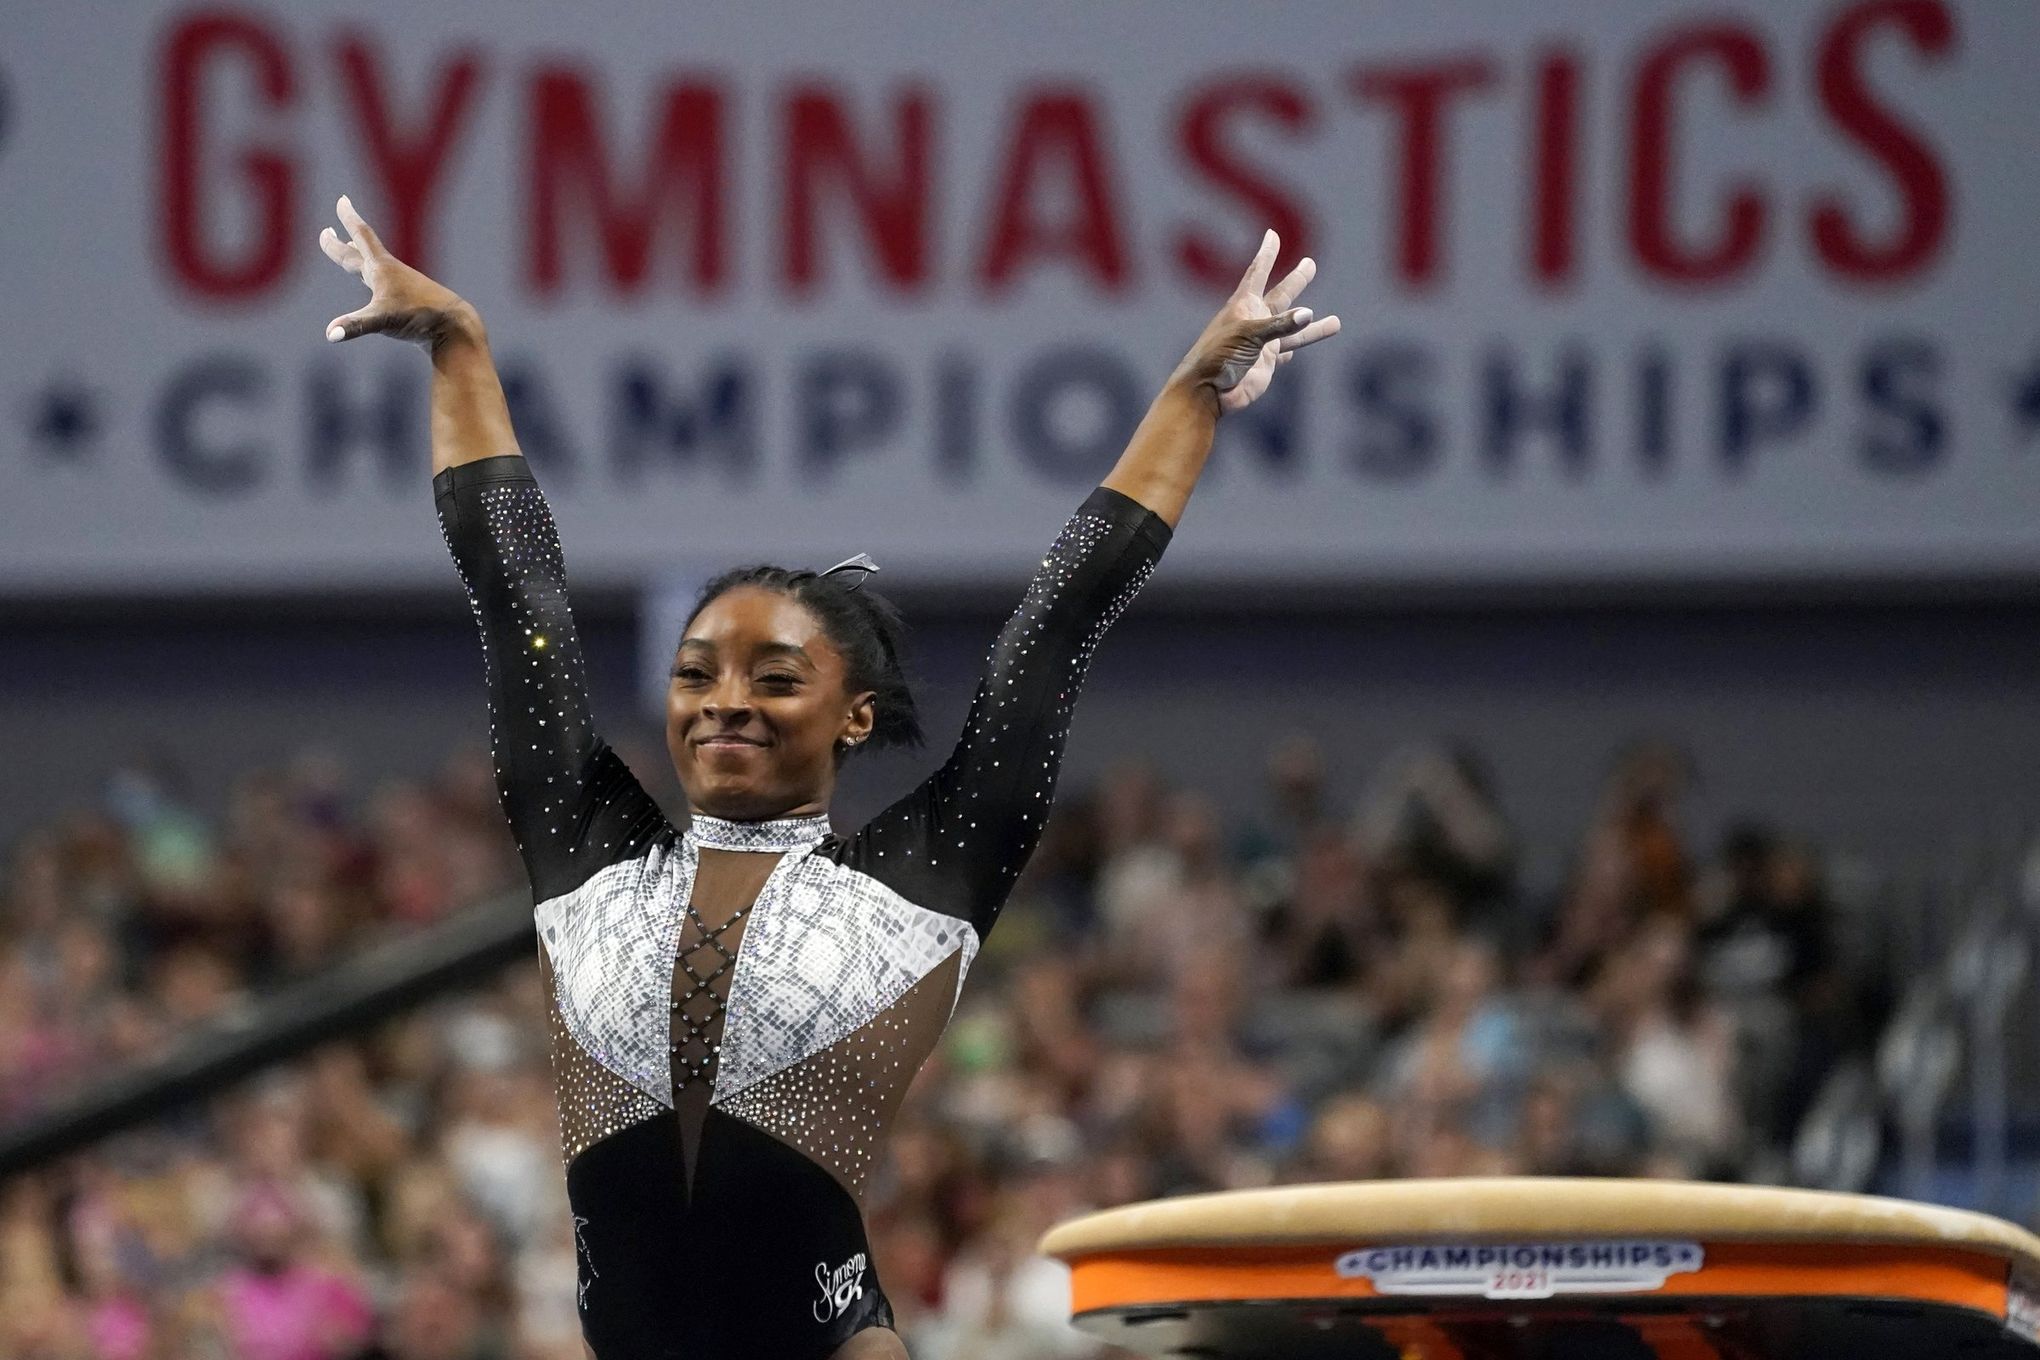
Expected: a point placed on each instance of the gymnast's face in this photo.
(758, 703)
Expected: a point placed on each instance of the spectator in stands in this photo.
(1631, 866)
(1763, 925)
(1350, 1140)
(278, 1301)
(1766, 953)
(1409, 961)
(1673, 1050)
(1432, 812)
(1298, 803)
(435, 1319)
(1323, 927)
(1166, 897)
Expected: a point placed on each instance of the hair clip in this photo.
(861, 564)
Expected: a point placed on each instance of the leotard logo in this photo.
(581, 1245)
(840, 1287)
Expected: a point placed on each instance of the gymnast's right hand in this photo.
(401, 301)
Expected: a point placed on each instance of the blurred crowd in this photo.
(1183, 995)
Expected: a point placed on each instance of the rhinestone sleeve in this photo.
(957, 843)
(572, 805)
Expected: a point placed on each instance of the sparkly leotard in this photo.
(737, 1008)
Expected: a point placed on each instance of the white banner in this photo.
(1653, 290)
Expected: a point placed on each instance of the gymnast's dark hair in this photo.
(865, 626)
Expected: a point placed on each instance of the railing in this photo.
(363, 992)
(1962, 1047)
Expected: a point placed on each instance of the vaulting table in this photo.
(1511, 1269)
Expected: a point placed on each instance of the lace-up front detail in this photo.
(698, 1009)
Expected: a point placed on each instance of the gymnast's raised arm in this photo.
(959, 840)
(1231, 364)
(572, 805)
(470, 420)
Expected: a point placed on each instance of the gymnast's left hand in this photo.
(1255, 332)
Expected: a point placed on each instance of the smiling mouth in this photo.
(729, 741)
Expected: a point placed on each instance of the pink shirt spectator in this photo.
(119, 1329)
(300, 1313)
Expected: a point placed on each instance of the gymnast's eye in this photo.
(780, 680)
(687, 673)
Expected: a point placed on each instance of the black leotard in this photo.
(726, 1070)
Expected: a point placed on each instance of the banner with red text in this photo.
(1655, 291)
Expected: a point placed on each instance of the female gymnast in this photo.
(737, 1006)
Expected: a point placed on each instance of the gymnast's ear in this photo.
(858, 722)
